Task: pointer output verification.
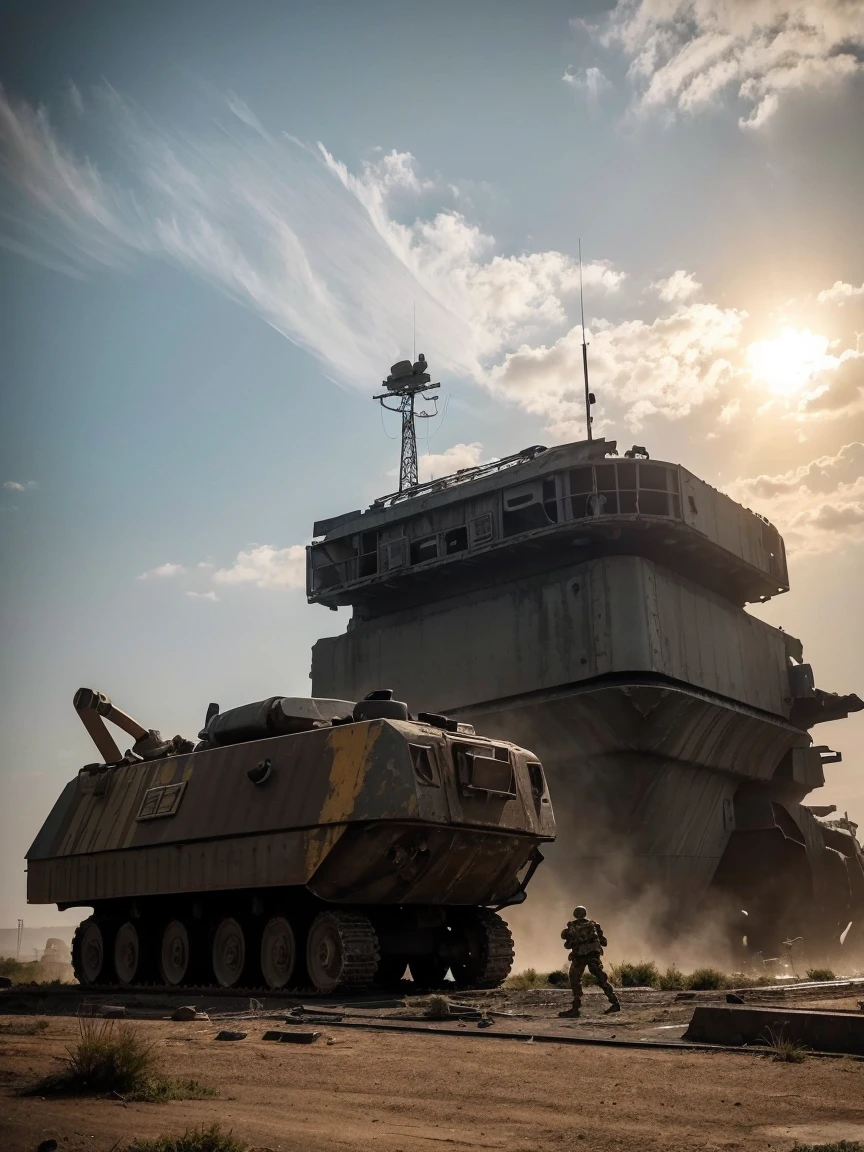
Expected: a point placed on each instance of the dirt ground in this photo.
(361, 1089)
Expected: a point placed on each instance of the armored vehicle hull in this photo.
(334, 856)
(594, 609)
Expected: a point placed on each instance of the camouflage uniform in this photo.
(586, 942)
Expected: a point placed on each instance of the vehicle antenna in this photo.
(414, 334)
(589, 396)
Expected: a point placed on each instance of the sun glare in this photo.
(787, 363)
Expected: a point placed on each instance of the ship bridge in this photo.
(533, 512)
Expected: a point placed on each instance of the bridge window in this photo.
(624, 487)
(456, 540)
(367, 564)
(426, 549)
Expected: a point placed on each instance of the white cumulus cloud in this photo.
(666, 367)
(677, 288)
(840, 293)
(432, 465)
(819, 506)
(685, 55)
(164, 571)
(202, 596)
(266, 566)
(20, 485)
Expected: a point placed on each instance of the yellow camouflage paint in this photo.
(351, 747)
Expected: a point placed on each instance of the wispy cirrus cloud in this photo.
(589, 81)
(331, 258)
(20, 485)
(323, 254)
(686, 55)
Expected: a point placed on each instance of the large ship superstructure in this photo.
(592, 606)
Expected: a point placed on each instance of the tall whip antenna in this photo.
(589, 396)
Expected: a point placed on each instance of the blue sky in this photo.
(215, 222)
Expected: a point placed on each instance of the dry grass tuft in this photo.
(783, 1049)
(529, 978)
(437, 1008)
(113, 1060)
(211, 1139)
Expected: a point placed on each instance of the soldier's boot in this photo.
(615, 1006)
(573, 1012)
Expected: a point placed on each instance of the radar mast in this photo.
(404, 383)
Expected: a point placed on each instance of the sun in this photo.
(788, 362)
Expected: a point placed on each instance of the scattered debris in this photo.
(226, 1034)
(732, 998)
(47, 1146)
(295, 1036)
(188, 1012)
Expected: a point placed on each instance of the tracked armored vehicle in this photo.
(593, 607)
(301, 842)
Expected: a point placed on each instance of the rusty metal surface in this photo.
(105, 838)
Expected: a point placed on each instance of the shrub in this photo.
(673, 980)
(820, 974)
(644, 974)
(109, 1059)
(785, 1050)
(211, 1139)
(706, 979)
(530, 978)
(560, 978)
(23, 1027)
(31, 971)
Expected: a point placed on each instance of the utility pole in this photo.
(403, 383)
(20, 939)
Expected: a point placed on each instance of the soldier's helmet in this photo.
(580, 913)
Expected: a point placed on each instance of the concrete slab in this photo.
(821, 1031)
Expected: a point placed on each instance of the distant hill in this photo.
(33, 940)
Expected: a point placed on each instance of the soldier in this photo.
(586, 942)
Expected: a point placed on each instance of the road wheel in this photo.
(127, 953)
(228, 953)
(278, 952)
(175, 954)
(487, 949)
(341, 951)
(89, 952)
(428, 971)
